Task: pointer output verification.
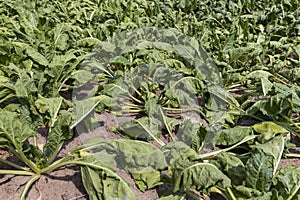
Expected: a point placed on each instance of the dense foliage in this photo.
(249, 111)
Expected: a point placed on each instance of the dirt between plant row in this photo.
(66, 184)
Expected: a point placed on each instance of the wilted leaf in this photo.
(136, 156)
(146, 179)
(232, 166)
(199, 176)
(105, 184)
(268, 130)
(178, 150)
(231, 136)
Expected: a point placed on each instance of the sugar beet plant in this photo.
(199, 128)
(245, 166)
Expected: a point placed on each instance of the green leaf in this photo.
(120, 60)
(223, 95)
(49, 105)
(24, 85)
(274, 107)
(178, 150)
(186, 51)
(199, 176)
(105, 184)
(83, 77)
(144, 128)
(136, 156)
(268, 126)
(103, 156)
(232, 136)
(287, 182)
(192, 134)
(60, 38)
(268, 130)
(258, 74)
(266, 85)
(264, 196)
(99, 177)
(146, 179)
(3, 79)
(15, 129)
(247, 192)
(37, 57)
(232, 166)
(57, 136)
(181, 90)
(59, 66)
(259, 171)
(132, 155)
(7, 91)
(152, 107)
(90, 42)
(83, 108)
(173, 197)
(274, 148)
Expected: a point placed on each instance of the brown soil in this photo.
(66, 183)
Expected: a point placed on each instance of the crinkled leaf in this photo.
(199, 176)
(49, 105)
(273, 148)
(24, 85)
(232, 166)
(259, 171)
(146, 178)
(287, 182)
(15, 129)
(247, 192)
(178, 150)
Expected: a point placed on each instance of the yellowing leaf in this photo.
(267, 127)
